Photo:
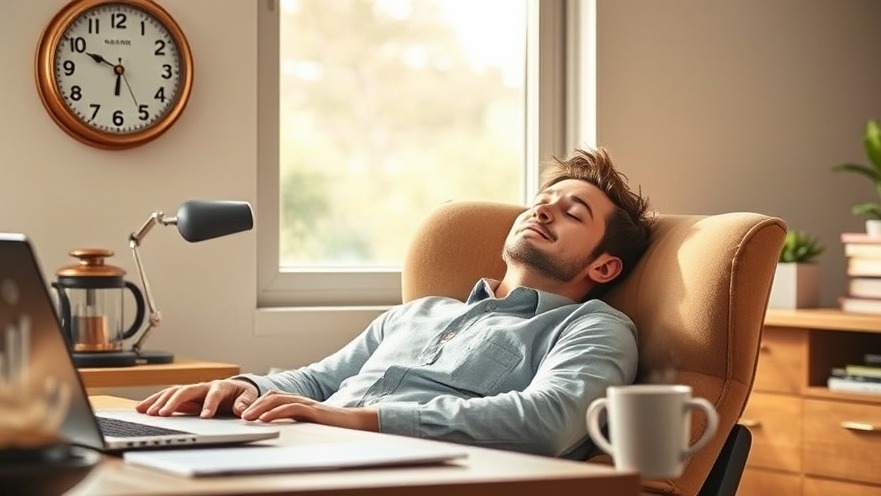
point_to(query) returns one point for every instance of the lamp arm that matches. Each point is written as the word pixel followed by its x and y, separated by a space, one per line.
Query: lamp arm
pixel 135 240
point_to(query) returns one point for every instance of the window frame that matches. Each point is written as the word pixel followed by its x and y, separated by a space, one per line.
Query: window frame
pixel 561 76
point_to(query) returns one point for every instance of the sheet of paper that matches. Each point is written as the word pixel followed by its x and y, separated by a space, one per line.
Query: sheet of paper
pixel 307 457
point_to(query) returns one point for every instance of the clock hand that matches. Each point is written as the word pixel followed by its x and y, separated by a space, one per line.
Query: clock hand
pixel 99 59
pixel 116 88
pixel 132 93
pixel 121 71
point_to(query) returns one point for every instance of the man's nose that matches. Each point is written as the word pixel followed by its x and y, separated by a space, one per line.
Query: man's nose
pixel 543 212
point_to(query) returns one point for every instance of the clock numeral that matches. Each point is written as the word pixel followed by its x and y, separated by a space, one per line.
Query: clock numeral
pixel 78 44
pixel 76 93
pixel 69 67
pixel 143 28
pixel 117 20
pixel 160 47
pixel 97 108
pixel 166 71
pixel 118 120
pixel 143 112
pixel 94 25
pixel 160 94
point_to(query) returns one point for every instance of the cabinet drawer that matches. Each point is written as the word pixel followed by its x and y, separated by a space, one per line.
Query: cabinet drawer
pixel 835 445
pixel 782 366
pixel 758 482
pixel 820 487
pixel 775 422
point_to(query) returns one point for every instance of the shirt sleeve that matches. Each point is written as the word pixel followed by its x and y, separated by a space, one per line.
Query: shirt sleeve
pixel 547 417
pixel 323 378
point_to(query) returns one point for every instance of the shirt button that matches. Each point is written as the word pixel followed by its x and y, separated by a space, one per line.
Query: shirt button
pixel 489 308
pixel 447 335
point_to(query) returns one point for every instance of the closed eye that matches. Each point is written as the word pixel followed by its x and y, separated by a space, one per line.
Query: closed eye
pixel 570 214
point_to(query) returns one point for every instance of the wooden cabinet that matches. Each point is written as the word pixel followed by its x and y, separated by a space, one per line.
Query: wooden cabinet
pixel 775 422
pixel 783 362
pixel 843 440
pixel 825 487
pixel 770 483
pixel 808 440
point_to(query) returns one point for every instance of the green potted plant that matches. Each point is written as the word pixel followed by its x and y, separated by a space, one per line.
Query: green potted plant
pixel 799 247
pixel 872 145
pixel 797 277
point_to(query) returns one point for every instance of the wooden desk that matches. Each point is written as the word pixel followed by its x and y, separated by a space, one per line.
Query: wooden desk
pixel 181 371
pixel 485 472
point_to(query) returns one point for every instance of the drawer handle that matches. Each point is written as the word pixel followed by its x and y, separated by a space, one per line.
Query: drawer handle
pixel 860 426
pixel 749 423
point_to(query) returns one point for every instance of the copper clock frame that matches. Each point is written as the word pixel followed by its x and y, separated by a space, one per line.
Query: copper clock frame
pixel 54 103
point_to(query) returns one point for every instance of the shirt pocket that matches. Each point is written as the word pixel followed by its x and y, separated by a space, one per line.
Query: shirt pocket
pixel 483 366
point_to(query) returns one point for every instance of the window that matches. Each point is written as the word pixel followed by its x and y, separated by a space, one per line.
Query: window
pixel 373 112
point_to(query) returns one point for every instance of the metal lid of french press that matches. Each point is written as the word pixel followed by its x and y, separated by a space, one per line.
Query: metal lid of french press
pixel 90 264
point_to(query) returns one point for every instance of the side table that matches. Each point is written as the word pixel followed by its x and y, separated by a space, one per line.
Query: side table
pixel 181 371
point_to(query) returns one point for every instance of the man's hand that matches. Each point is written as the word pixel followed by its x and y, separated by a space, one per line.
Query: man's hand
pixel 275 405
pixel 205 399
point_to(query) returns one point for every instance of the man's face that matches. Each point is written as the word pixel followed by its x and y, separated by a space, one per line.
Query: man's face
pixel 557 235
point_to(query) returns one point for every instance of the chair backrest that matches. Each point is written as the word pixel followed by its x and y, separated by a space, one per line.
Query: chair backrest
pixel 698 297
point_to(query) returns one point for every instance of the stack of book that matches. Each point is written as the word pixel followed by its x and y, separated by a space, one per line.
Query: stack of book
pixel 858 378
pixel 863 254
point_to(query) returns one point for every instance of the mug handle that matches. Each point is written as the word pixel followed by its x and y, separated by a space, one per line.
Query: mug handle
pixel 712 424
pixel 593 425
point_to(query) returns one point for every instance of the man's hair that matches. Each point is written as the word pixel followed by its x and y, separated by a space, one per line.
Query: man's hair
pixel 628 226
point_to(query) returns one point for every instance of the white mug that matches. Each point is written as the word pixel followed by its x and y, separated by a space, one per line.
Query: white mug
pixel 649 427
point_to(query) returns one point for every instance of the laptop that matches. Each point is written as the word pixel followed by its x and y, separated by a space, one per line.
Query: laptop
pixel 35 358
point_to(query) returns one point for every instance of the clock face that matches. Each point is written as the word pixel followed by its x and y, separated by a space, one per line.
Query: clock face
pixel 114 73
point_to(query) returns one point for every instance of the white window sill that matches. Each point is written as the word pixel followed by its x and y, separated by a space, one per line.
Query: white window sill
pixel 331 321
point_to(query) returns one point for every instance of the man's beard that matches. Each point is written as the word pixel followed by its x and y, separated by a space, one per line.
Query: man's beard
pixel 527 254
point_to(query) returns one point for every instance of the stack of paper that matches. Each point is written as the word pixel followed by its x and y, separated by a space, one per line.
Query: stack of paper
pixel 307 457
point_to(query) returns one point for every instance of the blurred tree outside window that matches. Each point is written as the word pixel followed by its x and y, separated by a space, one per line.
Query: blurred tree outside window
pixel 388 108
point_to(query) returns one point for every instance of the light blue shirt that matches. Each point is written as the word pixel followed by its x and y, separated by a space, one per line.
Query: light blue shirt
pixel 515 373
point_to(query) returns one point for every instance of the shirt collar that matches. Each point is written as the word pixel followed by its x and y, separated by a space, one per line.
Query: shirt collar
pixel 543 300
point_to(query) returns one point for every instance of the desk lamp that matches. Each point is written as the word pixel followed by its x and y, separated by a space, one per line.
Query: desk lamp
pixel 196 220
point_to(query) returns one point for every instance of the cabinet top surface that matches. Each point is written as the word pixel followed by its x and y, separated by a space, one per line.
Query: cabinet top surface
pixel 832 319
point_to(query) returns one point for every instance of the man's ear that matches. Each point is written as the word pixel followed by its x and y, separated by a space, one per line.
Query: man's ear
pixel 604 268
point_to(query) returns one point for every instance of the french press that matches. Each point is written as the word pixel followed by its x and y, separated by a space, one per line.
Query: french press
pixel 91 300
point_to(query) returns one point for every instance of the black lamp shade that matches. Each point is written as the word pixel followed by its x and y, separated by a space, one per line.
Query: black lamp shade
pixel 198 220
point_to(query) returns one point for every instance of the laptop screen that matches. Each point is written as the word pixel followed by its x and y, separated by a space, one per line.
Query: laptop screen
pixel 46 397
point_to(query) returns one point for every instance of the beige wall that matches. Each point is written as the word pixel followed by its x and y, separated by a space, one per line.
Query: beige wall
pixel 717 105
pixel 64 194
pixel 710 105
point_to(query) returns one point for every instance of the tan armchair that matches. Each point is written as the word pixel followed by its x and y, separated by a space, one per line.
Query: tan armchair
pixel 698 298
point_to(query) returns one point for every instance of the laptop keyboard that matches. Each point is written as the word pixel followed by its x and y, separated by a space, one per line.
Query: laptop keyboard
pixel 122 428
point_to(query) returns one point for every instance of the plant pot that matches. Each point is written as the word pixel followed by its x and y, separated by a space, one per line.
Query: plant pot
pixel 873 227
pixel 795 285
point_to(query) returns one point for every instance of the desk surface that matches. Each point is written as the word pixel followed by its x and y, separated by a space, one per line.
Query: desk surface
pixel 181 371
pixel 484 473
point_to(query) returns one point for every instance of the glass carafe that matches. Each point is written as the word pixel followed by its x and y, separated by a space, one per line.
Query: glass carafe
pixel 91 301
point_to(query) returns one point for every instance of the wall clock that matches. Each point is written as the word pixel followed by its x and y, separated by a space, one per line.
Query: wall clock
pixel 114 73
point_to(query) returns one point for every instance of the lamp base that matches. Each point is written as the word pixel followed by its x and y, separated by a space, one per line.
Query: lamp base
pixel 105 359
pixel 121 358
pixel 155 356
